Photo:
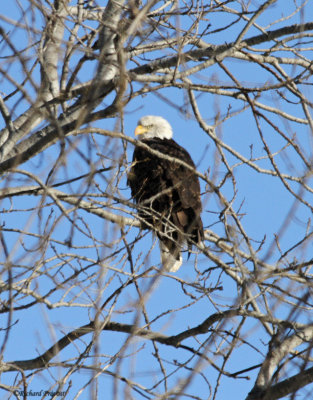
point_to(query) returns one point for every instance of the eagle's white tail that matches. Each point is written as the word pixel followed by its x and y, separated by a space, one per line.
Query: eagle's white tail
pixel 169 261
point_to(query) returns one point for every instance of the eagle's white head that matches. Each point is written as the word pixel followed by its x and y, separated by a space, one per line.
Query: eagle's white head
pixel 152 126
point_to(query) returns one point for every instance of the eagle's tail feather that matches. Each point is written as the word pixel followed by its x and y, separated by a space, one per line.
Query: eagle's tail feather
pixel 171 259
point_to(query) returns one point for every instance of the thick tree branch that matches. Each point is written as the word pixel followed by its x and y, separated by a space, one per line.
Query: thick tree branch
pixel 211 52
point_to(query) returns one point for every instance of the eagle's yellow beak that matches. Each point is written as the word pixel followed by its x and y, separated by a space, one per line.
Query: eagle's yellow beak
pixel 140 130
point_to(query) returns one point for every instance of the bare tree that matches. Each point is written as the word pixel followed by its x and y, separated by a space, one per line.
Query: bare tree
pixel 85 301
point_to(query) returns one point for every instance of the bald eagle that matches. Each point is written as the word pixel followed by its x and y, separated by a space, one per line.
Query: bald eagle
pixel 167 192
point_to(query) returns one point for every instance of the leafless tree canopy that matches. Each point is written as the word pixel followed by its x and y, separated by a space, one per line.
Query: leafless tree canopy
pixel 87 311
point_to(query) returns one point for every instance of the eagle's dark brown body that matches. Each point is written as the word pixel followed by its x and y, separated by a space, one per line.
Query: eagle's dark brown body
pixel 167 193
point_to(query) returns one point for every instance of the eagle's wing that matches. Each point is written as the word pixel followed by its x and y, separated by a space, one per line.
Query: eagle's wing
pixel 185 185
